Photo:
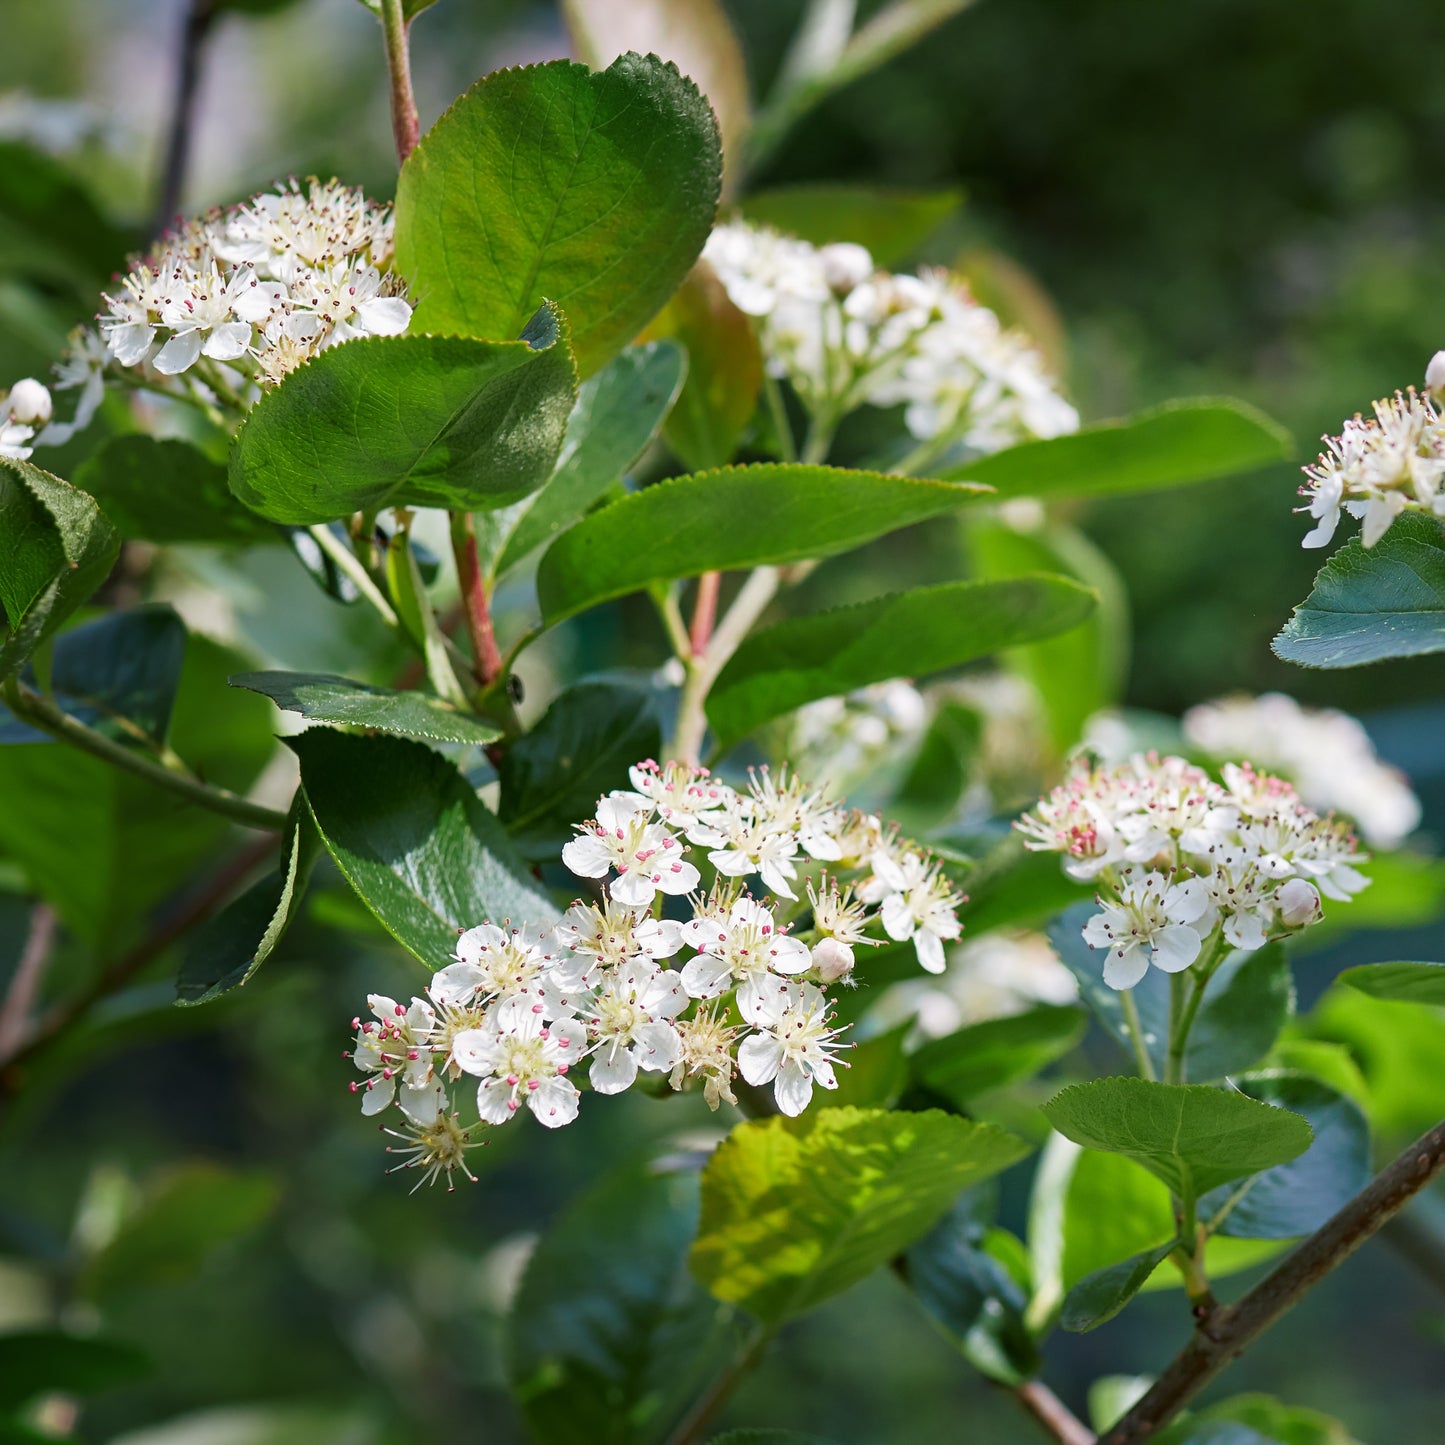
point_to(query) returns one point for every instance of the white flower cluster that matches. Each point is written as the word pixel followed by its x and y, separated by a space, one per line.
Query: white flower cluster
pixel 520 1008
pixel 240 298
pixel 1377 468
pixel 838 739
pixel 1183 862
pixel 1325 753
pixel 845 334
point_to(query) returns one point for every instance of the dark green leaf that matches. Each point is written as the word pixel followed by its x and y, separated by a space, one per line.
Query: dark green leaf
pixel 875 1075
pixel 892 224
pixel 617 414
pixel 796 1210
pixel 195 1210
pixel 608 1347
pixel 548 181
pixel 1265 1419
pixel 418 421
pixel 941 768
pixel 1181 441
pixel 224 953
pixel 1098 1297
pixel 1190 1136
pixel 1366 606
pixel 328 698
pixel 414 841
pixel 35 1362
pixel 1012 887
pixel 996 1052
pixel 1294 1199
pixel 732 518
pixel 907 634
pixel 876 969
pixel 582 748
pixel 971 1297
pixel 1402 982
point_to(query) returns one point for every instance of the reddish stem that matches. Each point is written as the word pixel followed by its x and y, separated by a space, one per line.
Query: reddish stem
pixel 405 127
pixel 486 659
pixel 704 611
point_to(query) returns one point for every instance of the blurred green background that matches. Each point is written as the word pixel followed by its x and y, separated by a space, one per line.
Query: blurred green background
pixel 1210 196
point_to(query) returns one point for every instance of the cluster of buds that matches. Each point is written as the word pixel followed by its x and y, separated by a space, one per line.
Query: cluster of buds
pixel 729 983
pixel 845 334
pixel 1185 864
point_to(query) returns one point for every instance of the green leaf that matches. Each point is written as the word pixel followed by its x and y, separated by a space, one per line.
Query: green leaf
pixel 328 698
pixel 167 491
pixel 1249 1000
pixel 409 8
pixel 942 765
pixel 1402 982
pixel 228 950
pixel 35 1362
pixel 1011 887
pixel 971 1297
pixel 1274 1421
pixel 416 421
pixel 414 841
pixel 617 414
pixel 724 370
pixel 995 1052
pixel 1190 1136
pixel 608 1347
pixel 1166 446
pixel 1294 1199
pixel 548 181
pixel 1098 1297
pixel 892 224
pixel 767 1437
pixel 732 518
pixel 580 749
pixel 56 548
pixel 1369 605
pixel 875 1076
pixel 196 1209
pixel 118 674
pixel 906 634
pixel 796 1210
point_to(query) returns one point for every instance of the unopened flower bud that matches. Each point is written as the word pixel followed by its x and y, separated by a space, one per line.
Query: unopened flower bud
pixel 1435 373
pixel 1299 903
pixel 832 959
pixel 29 403
pixel 845 265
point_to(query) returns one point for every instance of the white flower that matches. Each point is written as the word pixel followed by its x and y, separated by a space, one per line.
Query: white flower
pixel 646 856
pixel 832 960
pixel 433 1139
pixel 28 403
pixel 794 1045
pixel 1435 372
pixel 707 1044
pixel 395 1047
pixel 629 1020
pixel 520 1057
pixel 1299 903
pixel 81 368
pixel 915 902
pixel 682 795
pixel 614 935
pixel 295 230
pixel 347 301
pixel 13 439
pixel 492 963
pixel 1149 923
pixel 742 950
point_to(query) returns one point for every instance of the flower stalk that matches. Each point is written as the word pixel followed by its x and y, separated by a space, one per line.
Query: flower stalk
pixel 405 126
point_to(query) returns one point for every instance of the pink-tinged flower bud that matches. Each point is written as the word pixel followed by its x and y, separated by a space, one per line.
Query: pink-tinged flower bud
pixel 1299 903
pixel 1435 372
pixel 845 265
pixel 832 959
pixel 29 403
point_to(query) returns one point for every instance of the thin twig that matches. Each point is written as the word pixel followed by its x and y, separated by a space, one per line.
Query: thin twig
pixel 200 17
pixel 486 659
pixel 694 1424
pixel 1224 1333
pixel 405 127
pixel 25 982
pixel 704 611
pixel 1052 1413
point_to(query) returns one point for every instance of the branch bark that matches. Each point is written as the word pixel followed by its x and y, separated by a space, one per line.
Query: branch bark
pixel 1051 1412
pixel 200 17
pixel 1224 1333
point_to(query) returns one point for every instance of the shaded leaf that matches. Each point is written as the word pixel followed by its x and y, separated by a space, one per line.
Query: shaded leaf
pixel 1098 1297
pixel 34 1362
pixel 891 224
pixel 995 1052
pixel 1402 982
pixel 876 1073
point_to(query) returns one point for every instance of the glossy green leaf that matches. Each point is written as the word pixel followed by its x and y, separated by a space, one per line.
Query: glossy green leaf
pixel 1248 1002
pixel 733 518
pixel 328 698
pixel 195 1210
pixel 1295 1198
pixel 995 1052
pixel 414 841
pixel 1166 446
pixel 891 224
pixel 796 1210
pixel 971 1297
pixel 1098 1297
pixel 550 182
pixel 167 491
pixel 417 421
pixel 226 951
pixel 608 1347
pixel 617 414
pixel 36 1362
pixel 906 634
pixel 1402 982
pixel 1369 605
pixel 1190 1136
pixel 580 749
